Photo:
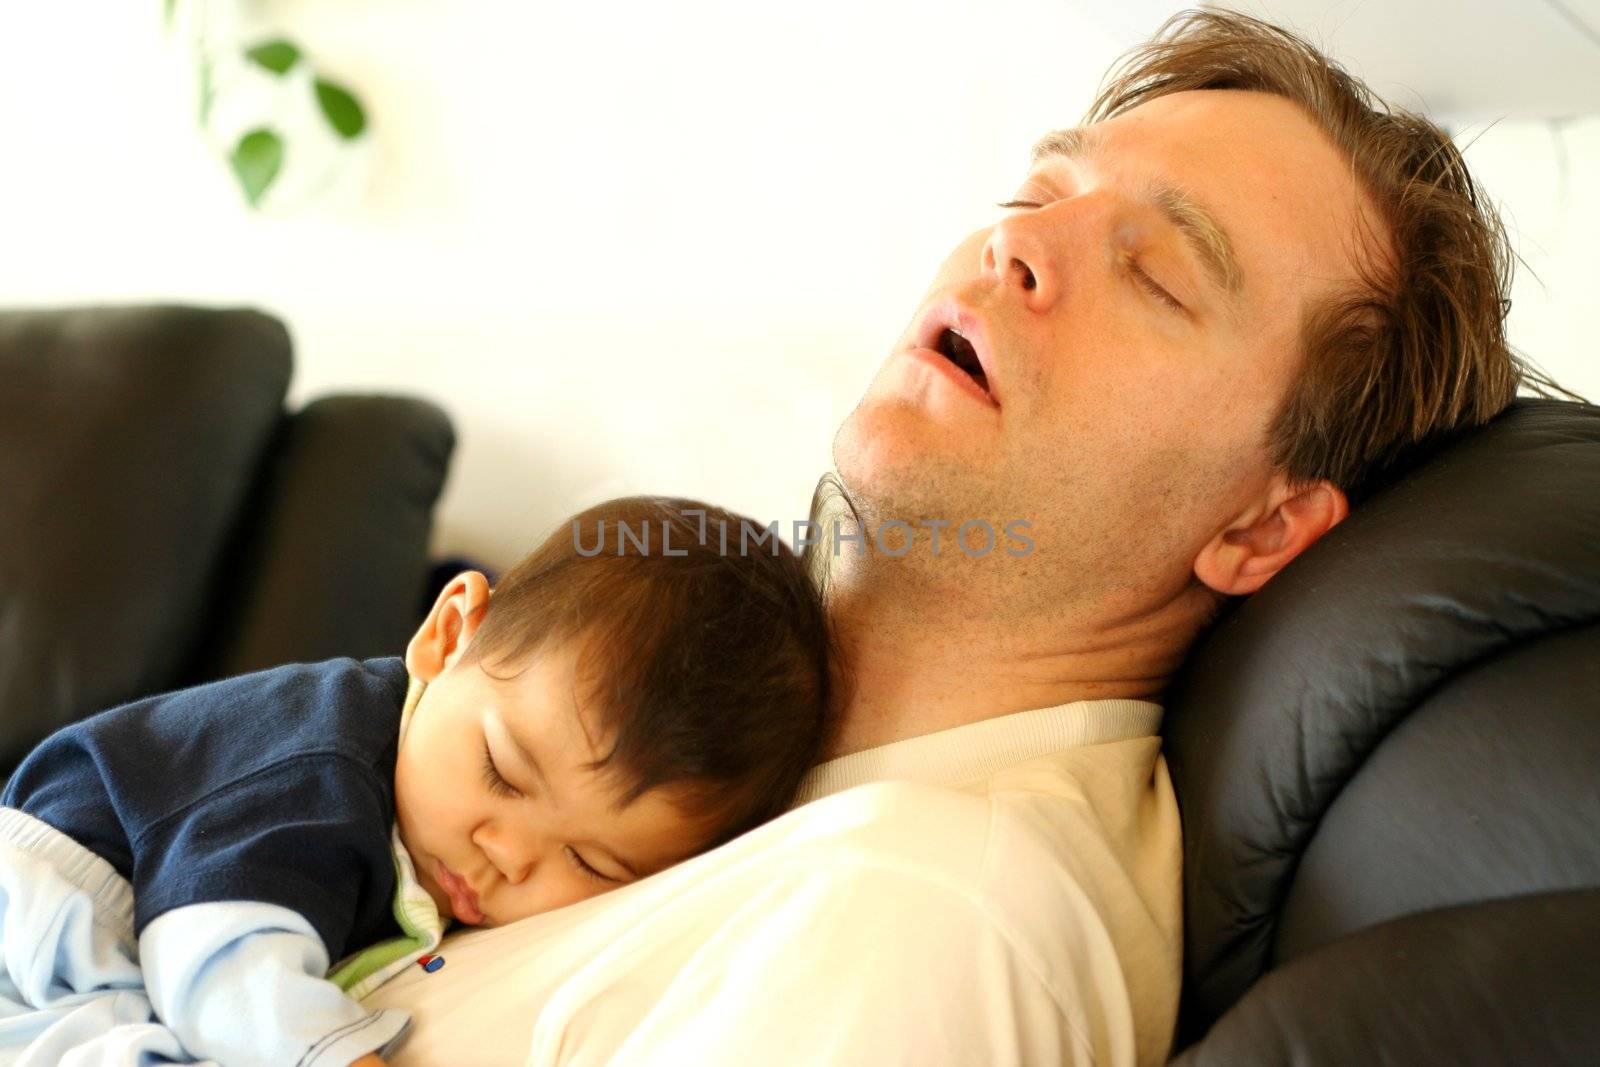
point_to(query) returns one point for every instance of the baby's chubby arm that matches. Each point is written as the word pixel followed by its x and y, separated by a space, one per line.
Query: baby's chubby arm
pixel 243 983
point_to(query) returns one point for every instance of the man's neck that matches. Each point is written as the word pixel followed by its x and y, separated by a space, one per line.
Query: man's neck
pixel 918 666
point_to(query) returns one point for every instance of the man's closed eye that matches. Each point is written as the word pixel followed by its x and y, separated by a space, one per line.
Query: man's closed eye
pixel 1135 271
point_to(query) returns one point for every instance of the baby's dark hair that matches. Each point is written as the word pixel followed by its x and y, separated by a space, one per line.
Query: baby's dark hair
pixel 704 651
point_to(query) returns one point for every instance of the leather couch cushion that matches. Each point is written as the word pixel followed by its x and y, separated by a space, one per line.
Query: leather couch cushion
pixel 1484 549
pixel 1490 788
pixel 333 561
pixel 1511 981
pixel 127 439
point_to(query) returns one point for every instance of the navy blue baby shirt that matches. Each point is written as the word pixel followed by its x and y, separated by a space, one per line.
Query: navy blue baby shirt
pixel 275 787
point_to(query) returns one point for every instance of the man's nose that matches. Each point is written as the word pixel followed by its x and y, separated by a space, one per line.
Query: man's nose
pixel 1017 255
pixel 1003 248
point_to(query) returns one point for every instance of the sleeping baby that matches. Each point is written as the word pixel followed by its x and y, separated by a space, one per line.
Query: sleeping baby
pixel 644 686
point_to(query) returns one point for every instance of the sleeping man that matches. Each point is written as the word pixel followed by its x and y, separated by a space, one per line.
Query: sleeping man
pixel 1202 322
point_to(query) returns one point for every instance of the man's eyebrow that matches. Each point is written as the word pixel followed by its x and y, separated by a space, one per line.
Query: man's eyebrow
pixel 1205 236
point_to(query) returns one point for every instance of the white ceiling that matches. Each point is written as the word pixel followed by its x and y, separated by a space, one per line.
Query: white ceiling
pixel 1457 60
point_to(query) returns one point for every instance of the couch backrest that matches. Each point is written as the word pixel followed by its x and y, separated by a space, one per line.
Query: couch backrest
pixel 129 438
pixel 331 556
pixel 164 521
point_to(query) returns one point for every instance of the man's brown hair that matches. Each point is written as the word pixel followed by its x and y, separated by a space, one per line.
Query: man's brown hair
pixel 703 657
pixel 1417 350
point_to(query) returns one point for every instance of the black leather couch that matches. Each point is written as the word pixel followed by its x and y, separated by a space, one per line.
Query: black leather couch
pixel 1388 760
pixel 165 521
pixel 1388 766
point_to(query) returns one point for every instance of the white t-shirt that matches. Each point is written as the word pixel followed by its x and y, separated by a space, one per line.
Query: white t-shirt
pixel 1005 892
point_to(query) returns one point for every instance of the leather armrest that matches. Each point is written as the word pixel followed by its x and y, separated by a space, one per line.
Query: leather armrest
pixel 1506 981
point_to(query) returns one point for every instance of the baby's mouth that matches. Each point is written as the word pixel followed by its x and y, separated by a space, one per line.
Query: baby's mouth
pixel 463 899
pixel 441 899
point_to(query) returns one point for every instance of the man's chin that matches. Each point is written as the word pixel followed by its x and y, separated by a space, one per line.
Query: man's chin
pixel 892 474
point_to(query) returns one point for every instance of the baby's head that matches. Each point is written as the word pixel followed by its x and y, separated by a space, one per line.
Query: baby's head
pixel 620 703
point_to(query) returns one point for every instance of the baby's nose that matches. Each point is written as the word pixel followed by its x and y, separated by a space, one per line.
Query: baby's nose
pixel 514 853
pixel 521 856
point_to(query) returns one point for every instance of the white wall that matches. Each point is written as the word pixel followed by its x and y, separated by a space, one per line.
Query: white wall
pixel 631 248
pixel 1545 179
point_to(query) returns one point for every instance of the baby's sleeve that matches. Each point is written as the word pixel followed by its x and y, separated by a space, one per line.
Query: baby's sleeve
pixel 311 834
pixel 243 983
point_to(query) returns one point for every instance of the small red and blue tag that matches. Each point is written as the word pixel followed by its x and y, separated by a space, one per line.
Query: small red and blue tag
pixel 430 963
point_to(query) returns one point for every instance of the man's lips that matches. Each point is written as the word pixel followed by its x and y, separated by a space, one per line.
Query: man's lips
pixel 463 901
pixel 951 314
pixel 958 377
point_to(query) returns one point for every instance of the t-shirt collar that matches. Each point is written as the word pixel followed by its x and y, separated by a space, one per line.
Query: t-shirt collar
pixel 978 749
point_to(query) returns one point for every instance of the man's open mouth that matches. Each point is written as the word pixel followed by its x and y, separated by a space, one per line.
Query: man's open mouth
pixel 958 350
pixel 957 333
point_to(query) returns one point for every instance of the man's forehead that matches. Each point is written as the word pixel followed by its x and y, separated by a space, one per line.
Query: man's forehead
pixel 1075 142
pixel 1234 138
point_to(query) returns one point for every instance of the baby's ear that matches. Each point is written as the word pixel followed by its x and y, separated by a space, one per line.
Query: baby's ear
pixel 449 627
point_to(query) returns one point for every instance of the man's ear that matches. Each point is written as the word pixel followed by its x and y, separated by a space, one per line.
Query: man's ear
pixel 1260 543
pixel 449 627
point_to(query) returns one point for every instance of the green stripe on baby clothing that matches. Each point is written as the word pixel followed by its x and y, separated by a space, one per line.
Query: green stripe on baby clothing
pixel 365 970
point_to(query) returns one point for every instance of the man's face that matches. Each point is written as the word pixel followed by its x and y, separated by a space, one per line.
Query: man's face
pixel 499 816
pixel 1126 431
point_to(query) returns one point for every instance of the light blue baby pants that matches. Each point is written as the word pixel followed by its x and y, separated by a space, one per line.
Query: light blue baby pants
pixel 71 993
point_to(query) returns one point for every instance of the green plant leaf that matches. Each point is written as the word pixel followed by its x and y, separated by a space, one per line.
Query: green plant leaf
pixel 256 160
pixel 168 9
pixel 342 110
pixel 277 56
pixel 207 90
